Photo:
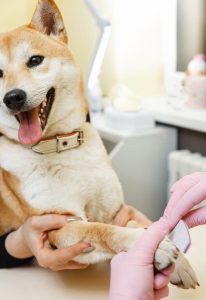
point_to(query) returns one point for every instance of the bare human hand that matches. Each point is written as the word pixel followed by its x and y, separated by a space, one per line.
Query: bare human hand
pixel 128 213
pixel 31 240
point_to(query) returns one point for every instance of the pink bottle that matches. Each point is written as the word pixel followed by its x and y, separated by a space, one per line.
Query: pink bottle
pixel 195 82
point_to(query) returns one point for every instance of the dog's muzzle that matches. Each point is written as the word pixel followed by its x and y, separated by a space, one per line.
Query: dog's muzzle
pixel 15 99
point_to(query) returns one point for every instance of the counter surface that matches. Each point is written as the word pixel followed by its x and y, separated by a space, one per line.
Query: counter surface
pixel 172 113
pixel 34 283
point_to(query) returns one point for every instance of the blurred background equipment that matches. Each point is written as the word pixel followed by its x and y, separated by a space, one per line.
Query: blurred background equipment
pixel 93 86
pixel 191 31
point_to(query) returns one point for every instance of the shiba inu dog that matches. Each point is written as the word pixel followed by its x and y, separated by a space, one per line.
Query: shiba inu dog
pixel 51 160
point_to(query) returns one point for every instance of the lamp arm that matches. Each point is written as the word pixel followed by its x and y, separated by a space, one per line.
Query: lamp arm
pixel 100 19
pixel 97 57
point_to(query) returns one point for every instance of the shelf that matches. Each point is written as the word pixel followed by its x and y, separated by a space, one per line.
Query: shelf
pixel 194 119
pixel 106 132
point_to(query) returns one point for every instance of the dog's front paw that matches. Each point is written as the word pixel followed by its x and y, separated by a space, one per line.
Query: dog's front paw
pixel 183 275
pixel 165 255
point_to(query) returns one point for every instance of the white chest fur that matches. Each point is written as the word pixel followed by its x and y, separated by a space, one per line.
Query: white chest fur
pixel 78 181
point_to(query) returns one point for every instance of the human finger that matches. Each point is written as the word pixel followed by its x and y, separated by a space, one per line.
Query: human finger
pixel 187 181
pixel 162 293
pixel 181 187
pixel 123 216
pixel 140 218
pixel 192 197
pixel 162 279
pixel 48 222
pixel 168 271
pixel 48 257
pixel 128 213
pixel 146 246
pixel 195 217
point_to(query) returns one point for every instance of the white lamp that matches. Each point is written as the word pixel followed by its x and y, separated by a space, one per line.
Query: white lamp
pixel 94 91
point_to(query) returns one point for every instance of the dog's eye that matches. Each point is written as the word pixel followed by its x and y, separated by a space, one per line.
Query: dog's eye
pixel 1 73
pixel 35 60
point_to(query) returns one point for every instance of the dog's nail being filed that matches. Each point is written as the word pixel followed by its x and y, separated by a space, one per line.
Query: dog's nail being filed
pixel 73 218
pixel 88 250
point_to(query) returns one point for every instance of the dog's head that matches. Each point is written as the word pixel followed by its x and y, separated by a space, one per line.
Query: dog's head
pixel 41 91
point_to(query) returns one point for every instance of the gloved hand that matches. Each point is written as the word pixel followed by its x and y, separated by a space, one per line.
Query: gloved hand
pixel 132 272
pixel 132 276
pixel 186 193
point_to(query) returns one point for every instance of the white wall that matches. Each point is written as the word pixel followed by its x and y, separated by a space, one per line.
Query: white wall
pixel 134 55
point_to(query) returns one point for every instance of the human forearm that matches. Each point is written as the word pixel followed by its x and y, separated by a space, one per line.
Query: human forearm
pixel 16 246
pixel 6 259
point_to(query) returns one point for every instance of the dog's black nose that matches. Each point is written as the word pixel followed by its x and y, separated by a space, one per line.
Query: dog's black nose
pixel 15 99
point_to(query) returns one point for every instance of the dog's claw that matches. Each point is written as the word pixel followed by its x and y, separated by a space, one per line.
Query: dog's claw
pixel 183 275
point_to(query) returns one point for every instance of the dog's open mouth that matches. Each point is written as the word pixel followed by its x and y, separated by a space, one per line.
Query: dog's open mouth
pixel 33 122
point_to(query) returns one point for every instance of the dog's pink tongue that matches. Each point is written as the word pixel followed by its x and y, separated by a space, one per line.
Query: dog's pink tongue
pixel 30 131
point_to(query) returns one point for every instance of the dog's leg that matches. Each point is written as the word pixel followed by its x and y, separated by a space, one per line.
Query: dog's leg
pixel 183 275
pixel 109 240
pixel 106 239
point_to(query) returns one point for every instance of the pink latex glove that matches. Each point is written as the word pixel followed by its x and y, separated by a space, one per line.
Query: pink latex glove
pixel 132 276
pixel 186 193
pixel 132 272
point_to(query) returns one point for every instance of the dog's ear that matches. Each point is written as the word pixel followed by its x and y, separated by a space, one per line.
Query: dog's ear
pixel 48 20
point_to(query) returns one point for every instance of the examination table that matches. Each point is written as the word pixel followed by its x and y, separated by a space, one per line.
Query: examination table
pixel 32 282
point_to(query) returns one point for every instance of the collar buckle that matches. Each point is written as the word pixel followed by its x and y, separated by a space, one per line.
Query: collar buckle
pixel 58 139
pixel 80 137
pixel 64 142
pixel 60 143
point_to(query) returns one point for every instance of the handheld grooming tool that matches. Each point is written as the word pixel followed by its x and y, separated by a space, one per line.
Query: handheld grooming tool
pixel 180 236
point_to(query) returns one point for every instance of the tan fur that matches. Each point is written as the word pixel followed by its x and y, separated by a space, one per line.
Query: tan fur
pixel 40 20
pixel 49 47
pixel 106 239
pixel 84 98
pixel 80 181
pixel 14 209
